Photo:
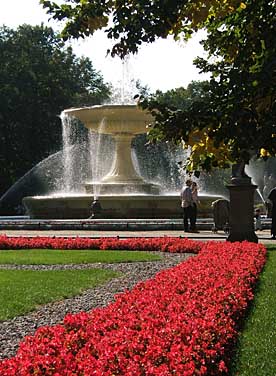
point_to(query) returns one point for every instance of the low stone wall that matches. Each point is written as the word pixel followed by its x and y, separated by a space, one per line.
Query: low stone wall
pixel 117 206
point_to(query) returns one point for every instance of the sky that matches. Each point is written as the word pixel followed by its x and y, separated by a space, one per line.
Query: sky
pixel 163 65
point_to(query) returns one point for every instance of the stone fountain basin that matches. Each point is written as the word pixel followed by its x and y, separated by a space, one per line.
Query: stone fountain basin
pixel 113 119
pixel 114 207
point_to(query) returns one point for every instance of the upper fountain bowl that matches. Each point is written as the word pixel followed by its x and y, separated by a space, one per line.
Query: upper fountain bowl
pixel 113 119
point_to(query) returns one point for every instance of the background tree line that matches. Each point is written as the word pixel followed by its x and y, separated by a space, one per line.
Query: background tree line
pixel 39 77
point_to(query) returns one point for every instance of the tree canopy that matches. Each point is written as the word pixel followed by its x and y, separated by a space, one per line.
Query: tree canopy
pixel 234 117
pixel 39 78
pixel 135 22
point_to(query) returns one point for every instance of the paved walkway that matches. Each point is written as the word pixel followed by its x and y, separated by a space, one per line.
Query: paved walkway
pixel 264 236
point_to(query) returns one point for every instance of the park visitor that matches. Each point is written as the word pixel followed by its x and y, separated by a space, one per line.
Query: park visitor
pixel 187 204
pixel 272 198
pixel 258 220
pixel 194 207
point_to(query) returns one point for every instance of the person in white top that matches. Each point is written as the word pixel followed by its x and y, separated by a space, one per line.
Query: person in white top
pixel 187 204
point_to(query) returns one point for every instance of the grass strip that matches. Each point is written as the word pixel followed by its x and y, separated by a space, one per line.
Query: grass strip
pixel 256 350
pixel 53 256
pixel 22 291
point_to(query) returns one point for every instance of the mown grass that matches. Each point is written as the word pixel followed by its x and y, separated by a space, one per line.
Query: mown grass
pixel 22 291
pixel 52 256
pixel 256 350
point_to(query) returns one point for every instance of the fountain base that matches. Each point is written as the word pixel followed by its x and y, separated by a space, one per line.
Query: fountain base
pixel 113 207
pixel 98 189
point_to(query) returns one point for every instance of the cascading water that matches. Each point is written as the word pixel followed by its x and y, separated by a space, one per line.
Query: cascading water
pixel 263 175
pixel 81 156
pixel 155 163
pixel 101 150
pixel 158 163
pixel 95 143
pixel 68 156
pixel 42 179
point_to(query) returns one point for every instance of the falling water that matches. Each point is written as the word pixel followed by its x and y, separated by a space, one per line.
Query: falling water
pixel 135 161
pixel 101 154
pixel 261 196
pixel 75 161
pixel 67 122
pixel 68 174
pixel 158 164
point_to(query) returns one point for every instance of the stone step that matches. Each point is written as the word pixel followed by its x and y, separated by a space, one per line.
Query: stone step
pixel 24 223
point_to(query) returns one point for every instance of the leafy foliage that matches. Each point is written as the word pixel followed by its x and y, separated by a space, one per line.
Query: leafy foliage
pixel 135 22
pixel 242 62
pixel 235 116
pixel 181 116
pixel 39 78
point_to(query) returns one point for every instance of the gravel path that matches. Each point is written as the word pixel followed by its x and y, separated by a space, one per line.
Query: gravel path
pixel 12 331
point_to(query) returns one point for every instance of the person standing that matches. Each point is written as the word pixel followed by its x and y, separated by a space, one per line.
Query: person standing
pixel 272 198
pixel 258 220
pixel 194 189
pixel 187 204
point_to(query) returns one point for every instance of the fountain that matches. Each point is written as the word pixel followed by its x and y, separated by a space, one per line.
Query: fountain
pixel 123 192
pixel 123 123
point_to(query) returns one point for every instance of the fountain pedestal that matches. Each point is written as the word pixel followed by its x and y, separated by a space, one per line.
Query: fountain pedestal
pixel 123 123
pixel 122 178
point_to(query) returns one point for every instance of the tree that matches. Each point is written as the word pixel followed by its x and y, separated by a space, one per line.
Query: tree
pixel 235 116
pixel 135 22
pixel 177 101
pixel 39 78
pixel 168 109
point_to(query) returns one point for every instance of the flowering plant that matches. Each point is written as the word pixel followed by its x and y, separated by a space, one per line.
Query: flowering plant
pixel 181 322
pixel 165 244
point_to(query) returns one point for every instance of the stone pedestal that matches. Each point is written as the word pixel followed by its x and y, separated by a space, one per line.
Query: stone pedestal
pixel 123 123
pixel 241 221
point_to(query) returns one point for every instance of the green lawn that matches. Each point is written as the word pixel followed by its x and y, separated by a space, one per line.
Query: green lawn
pixel 256 353
pixel 50 256
pixel 21 291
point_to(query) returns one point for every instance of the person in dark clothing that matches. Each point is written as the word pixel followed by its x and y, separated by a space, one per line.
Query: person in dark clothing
pixel 187 204
pixel 272 198
pixel 96 209
pixel 258 219
pixel 195 203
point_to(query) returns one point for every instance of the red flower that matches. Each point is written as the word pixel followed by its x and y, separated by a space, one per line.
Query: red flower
pixel 179 323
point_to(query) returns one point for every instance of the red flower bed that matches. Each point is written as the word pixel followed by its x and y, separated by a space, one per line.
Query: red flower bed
pixel 165 244
pixel 179 323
